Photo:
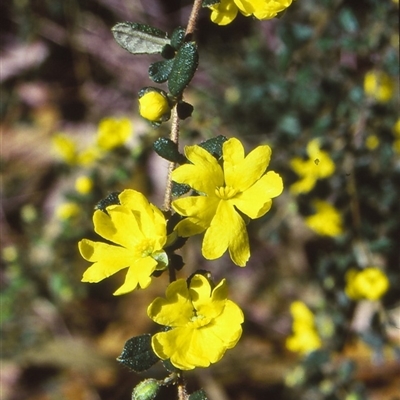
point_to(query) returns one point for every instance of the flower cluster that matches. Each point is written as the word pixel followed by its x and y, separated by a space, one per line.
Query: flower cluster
pixel 326 221
pixel 240 185
pixel 318 166
pixel 304 338
pixel 138 229
pixel 370 283
pixel 224 12
pixel 203 323
pixel 379 86
pixel 111 133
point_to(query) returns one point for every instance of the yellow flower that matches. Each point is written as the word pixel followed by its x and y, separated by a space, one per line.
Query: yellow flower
pixel 203 322
pixel 113 132
pixel 138 229
pixel 372 142
pixel 327 221
pixel 154 107
pixel 83 184
pixel 225 12
pixel 370 283
pixel 318 166
pixel 304 338
pixel 67 211
pixel 66 148
pixel 396 133
pixel 240 184
pixel 379 86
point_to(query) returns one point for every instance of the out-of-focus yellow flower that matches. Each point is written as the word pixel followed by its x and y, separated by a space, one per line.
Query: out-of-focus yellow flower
pixel 379 86
pixel 226 11
pixel 112 132
pixel 372 142
pixel 67 211
pixel 138 229
pixel 203 322
pixel 371 283
pixel 154 106
pixel 239 183
pixel 89 156
pixel 304 338
pixel 66 148
pixel 396 133
pixel 9 253
pixel 84 184
pixel 318 166
pixel 327 221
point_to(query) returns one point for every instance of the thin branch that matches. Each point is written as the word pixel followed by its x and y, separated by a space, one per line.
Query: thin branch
pixel 193 18
pixel 174 136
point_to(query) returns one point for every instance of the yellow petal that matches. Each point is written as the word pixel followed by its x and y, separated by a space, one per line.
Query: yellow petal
pixel 150 220
pixel 176 309
pixel 118 226
pixel 201 209
pixel 138 274
pixel 224 12
pixel 203 175
pixel 256 201
pixel 241 172
pixel 227 231
pixel 108 259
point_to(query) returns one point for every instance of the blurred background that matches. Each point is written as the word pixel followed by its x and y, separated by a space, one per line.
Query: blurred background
pixel 326 69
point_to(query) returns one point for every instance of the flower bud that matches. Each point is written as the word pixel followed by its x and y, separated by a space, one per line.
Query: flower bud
pixel 146 390
pixel 154 105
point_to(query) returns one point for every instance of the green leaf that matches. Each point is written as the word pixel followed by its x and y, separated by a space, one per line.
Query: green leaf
pixel 179 189
pixel 160 70
pixel 137 353
pixel 178 37
pixel 110 200
pixel 140 38
pixel 185 65
pixel 198 395
pixel 168 149
pixel 214 146
pixel 207 3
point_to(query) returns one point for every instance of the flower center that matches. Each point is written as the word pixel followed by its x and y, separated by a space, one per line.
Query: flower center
pixel 145 247
pixel 226 192
pixel 198 320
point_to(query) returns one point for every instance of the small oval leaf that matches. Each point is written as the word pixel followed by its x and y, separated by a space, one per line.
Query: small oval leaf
pixel 137 353
pixel 160 70
pixel 214 146
pixel 168 149
pixel 178 37
pixel 185 65
pixel 139 38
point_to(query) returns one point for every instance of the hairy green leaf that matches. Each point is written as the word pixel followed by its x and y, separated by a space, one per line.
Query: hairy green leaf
pixel 140 38
pixel 168 149
pixel 198 395
pixel 207 3
pixel 111 199
pixel 214 146
pixel 179 189
pixel 178 37
pixel 137 353
pixel 160 70
pixel 185 65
